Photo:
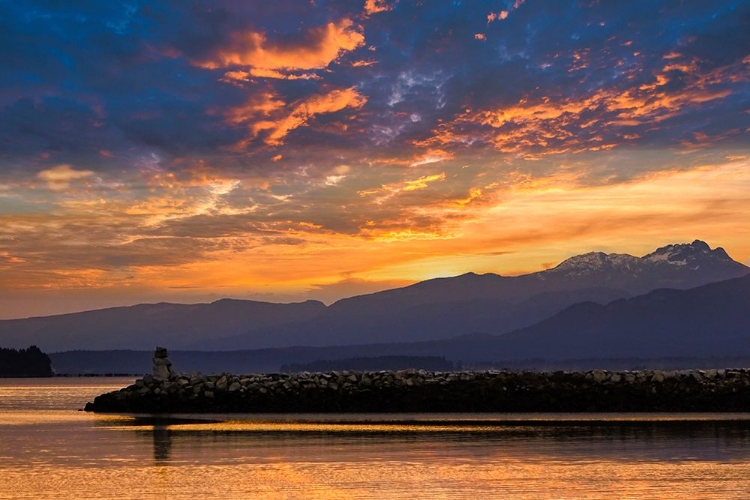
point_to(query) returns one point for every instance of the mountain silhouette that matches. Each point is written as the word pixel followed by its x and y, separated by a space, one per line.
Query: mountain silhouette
pixel 427 311
pixel 490 303
pixel 145 325
pixel 708 321
pixel 703 327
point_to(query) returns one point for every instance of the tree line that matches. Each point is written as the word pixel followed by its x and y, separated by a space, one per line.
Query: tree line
pixel 31 362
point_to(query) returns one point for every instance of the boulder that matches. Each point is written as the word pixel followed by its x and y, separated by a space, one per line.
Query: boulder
pixel 599 376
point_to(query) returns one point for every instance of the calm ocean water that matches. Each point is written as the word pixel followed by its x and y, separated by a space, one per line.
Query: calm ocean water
pixel 50 450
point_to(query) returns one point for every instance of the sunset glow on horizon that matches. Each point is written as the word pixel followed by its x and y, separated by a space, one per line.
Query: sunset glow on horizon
pixel 189 151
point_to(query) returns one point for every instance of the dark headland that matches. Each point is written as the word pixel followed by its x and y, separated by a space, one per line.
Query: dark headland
pixel 427 391
pixel 31 362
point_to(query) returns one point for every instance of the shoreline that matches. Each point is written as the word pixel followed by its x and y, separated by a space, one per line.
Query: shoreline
pixel 420 391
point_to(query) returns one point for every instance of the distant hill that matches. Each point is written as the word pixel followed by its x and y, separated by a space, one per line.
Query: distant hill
pixel 143 326
pixel 423 322
pixel 377 363
pixel 711 320
pixel 427 311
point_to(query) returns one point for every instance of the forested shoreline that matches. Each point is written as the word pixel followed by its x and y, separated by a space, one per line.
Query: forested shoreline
pixel 31 362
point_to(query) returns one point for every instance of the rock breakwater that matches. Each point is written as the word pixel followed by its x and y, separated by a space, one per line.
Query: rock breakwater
pixel 429 391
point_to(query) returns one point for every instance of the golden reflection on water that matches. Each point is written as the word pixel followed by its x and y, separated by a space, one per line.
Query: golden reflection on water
pixel 56 452
pixel 55 393
pixel 303 427
pixel 586 458
pixel 404 479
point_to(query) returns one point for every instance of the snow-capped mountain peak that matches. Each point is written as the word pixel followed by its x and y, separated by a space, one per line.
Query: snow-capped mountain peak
pixel 692 256
pixel 686 253
pixel 596 261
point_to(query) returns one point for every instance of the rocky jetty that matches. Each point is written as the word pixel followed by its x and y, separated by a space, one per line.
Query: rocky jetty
pixel 429 391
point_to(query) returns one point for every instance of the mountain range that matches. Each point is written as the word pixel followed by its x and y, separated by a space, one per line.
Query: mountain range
pixel 711 320
pixel 490 303
pixel 530 311
pixel 703 327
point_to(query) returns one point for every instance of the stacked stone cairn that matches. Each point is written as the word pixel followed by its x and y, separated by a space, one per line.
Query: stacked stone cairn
pixel 162 365
pixel 426 391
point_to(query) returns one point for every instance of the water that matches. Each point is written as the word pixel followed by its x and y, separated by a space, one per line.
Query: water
pixel 50 450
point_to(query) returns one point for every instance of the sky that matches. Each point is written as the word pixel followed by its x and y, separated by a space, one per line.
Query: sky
pixel 191 150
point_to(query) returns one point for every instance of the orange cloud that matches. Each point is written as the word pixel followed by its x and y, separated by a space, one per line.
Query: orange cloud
pixel 503 14
pixel 494 16
pixel 186 231
pixel 423 181
pixel 268 59
pixel 474 194
pixel 431 156
pixel 61 176
pixel 387 191
pixel 10 259
pixel 375 6
pixel 533 129
pixel 302 112
pixel 246 76
pixel 262 104
pixel 703 141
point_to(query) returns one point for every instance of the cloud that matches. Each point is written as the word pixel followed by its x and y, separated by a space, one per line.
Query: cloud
pixel 404 186
pixel 363 63
pixel 423 181
pixel 9 259
pixel 266 58
pixel 503 14
pixel 375 6
pixel 260 104
pixel 601 120
pixel 60 177
pixel 252 73
pixel 283 119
